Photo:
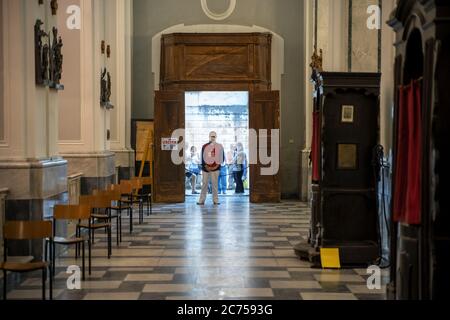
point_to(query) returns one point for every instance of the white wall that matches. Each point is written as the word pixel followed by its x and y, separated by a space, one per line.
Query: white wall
pixel 2 115
pixel 70 99
pixel 119 33
pixel 30 112
pixel 84 124
pixel 364 54
pixel 332 33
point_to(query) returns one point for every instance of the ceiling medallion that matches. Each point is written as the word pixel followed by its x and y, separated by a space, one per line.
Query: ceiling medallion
pixel 218 16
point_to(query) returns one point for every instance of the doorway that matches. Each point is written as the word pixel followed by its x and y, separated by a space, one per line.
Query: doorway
pixel 227 114
pixel 197 62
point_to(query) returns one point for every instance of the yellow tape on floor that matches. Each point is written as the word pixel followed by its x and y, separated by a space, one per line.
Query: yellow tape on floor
pixel 330 258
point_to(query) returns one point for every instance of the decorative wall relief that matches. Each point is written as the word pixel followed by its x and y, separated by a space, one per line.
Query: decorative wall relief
pixel 41 54
pixel 317 60
pixel 48 57
pixel 105 80
pixel 218 16
pixel 105 87
pixel 54 6
pixel 56 61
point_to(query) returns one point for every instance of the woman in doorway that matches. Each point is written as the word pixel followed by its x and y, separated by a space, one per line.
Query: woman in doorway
pixel 239 161
pixel 223 179
pixel 193 168
pixel 230 156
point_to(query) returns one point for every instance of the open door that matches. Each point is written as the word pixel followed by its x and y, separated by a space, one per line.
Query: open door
pixel 264 114
pixel 169 178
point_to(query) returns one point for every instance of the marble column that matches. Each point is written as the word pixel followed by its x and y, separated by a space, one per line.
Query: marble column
pixel 85 129
pixel 333 34
pixel 305 168
pixel 29 164
pixel 119 34
pixel 332 38
pixel 96 141
pixel 338 36
pixel 364 41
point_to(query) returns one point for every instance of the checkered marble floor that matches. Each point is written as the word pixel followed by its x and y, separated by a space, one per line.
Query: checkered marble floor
pixel 235 251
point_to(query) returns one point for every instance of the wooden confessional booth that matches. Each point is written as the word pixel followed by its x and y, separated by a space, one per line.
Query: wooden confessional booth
pixel 213 62
pixel 420 246
pixel 344 201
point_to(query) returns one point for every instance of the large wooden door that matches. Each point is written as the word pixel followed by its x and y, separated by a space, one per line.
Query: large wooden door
pixel 264 114
pixel 169 116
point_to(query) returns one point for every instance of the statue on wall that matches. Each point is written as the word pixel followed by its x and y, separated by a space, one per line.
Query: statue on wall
pixel 56 59
pixel 317 60
pixel 108 91
pixel 54 6
pixel 105 94
pixel 45 64
pixel 48 57
pixel 41 54
pixel 317 68
pixel 103 98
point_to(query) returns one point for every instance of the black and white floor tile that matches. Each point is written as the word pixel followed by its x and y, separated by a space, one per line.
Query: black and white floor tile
pixel 236 250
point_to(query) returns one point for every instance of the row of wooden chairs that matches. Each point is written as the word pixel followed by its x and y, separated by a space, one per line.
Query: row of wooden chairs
pixel 93 212
pixel 105 205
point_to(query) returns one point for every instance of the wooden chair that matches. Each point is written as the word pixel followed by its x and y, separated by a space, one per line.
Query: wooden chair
pixel 136 184
pixel 119 207
pixel 146 197
pixel 71 212
pixel 27 230
pixel 126 190
pixel 96 203
pixel 114 196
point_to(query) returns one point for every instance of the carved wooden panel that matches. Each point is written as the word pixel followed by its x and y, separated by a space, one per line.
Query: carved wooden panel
pixel 264 114
pixel 239 61
pixel 220 62
pixel 169 116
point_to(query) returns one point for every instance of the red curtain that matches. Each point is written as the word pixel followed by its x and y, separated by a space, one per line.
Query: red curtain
pixel 414 194
pixel 400 161
pixel 407 193
pixel 315 148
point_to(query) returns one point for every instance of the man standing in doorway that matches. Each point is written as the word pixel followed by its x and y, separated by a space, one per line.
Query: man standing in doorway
pixel 213 156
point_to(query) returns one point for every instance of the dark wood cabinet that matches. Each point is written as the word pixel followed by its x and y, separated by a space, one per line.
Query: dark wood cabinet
pixel 344 201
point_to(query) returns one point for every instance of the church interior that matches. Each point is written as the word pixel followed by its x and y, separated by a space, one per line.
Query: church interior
pixel 333 116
